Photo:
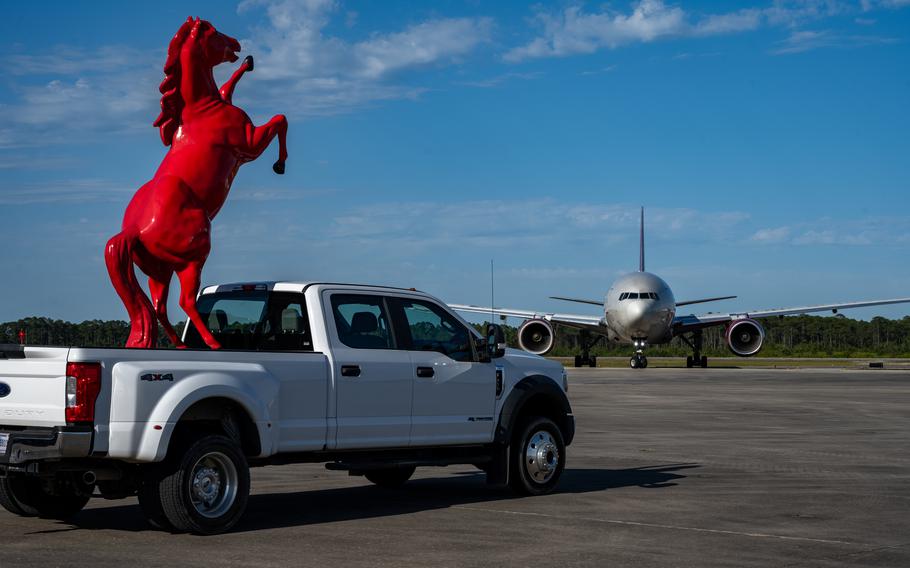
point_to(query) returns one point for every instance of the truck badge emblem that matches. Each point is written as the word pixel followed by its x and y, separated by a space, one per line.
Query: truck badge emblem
pixel 154 377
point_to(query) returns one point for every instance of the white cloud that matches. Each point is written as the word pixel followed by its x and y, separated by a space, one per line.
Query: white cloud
pixel 69 89
pixel 323 74
pixel 808 40
pixel 831 237
pixel 576 31
pixel 72 60
pixel 771 236
pixel 64 191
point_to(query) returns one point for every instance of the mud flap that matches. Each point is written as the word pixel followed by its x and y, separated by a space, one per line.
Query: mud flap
pixel 498 469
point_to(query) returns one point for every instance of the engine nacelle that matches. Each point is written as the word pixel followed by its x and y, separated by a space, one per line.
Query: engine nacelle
pixel 745 337
pixel 536 336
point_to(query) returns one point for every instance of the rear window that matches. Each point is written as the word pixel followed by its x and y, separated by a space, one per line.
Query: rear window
pixel 254 321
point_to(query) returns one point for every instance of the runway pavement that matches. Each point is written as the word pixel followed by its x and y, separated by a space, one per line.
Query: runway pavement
pixel 670 467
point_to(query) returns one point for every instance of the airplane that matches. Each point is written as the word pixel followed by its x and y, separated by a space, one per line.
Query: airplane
pixel 640 309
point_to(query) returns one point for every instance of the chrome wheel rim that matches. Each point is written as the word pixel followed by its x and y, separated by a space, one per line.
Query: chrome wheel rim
pixel 541 456
pixel 213 485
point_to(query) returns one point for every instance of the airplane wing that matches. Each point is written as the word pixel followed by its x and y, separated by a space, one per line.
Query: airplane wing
pixel 703 300
pixel 682 324
pixel 593 323
pixel 579 300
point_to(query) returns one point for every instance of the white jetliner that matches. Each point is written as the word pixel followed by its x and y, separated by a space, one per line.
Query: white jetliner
pixel 640 309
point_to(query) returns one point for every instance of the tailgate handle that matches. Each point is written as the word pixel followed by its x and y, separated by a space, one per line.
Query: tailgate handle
pixel 350 370
pixel 425 372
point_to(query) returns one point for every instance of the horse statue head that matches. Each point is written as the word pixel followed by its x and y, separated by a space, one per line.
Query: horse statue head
pixel 198 41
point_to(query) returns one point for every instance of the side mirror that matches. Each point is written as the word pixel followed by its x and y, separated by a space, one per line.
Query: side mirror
pixel 496 341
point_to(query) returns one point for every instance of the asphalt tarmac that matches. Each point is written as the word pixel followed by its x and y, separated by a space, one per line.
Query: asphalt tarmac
pixel 670 467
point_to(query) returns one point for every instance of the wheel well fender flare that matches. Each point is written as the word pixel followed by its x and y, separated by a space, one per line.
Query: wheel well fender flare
pixel 539 394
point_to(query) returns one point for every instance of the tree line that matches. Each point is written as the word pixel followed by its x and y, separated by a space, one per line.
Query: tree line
pixel 795 336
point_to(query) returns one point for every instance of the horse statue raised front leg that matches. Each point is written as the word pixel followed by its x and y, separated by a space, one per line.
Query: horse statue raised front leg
pixel 167 226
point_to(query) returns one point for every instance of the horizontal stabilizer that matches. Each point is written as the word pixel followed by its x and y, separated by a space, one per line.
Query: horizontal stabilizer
pixel 579 301
pixel 688 302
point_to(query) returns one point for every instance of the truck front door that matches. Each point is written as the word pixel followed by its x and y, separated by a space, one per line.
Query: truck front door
pixel 454 395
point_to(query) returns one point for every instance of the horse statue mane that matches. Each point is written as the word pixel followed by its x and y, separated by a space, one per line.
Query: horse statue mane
pixel 171 101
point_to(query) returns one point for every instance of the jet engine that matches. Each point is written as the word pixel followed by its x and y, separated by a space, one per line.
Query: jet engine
pixel 745 337
pixel 536 336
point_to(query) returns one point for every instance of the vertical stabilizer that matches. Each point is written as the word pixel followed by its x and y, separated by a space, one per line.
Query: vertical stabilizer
pixel 641 242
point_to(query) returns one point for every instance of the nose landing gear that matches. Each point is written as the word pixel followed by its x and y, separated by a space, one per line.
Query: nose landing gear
pixel 638 361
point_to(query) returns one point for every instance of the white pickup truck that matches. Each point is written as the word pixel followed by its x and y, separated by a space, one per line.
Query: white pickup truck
pixel 372 380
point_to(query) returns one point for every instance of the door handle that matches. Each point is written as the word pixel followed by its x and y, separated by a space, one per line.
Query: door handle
pixel 425 372
pixel 350 370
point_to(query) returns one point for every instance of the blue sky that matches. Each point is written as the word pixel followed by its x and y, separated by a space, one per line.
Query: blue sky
pixel 768 142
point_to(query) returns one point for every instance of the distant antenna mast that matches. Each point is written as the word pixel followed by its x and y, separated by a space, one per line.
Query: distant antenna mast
pixel 641 242
pixel 492 295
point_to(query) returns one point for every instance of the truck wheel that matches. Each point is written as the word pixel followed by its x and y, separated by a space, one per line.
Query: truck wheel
pixel 150 499
pixel 205 489
pixel 28 497
pixel 390 478
pixel 538 457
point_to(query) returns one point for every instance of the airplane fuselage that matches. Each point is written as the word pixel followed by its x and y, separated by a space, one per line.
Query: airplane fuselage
pixel 640 307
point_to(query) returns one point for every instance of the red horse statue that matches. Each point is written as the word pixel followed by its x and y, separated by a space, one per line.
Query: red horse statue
pixel 167 226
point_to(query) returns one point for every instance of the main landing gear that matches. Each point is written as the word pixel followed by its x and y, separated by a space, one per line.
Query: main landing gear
pixel 696 359
pixel 638 361
pixel 586 359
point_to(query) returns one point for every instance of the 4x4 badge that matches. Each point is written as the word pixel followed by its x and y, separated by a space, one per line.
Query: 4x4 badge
pixel 157 377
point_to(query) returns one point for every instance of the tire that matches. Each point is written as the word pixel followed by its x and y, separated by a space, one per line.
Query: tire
pixel 390 478
pixel 577 361
pixel 28 497
pixel 592 361
pixel 538 457
pixel 644 362
pixel 203 490
pixel 150 499
pixel 689 362
pixel 633 362
pixel 704 362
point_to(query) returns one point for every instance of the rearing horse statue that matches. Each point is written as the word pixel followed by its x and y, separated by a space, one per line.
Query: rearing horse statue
pixel 167 226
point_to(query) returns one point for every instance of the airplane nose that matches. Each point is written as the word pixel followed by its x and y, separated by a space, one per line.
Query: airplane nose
pixel 634 318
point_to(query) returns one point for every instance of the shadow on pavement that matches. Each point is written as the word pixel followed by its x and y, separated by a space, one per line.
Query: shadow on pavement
pixel 279 510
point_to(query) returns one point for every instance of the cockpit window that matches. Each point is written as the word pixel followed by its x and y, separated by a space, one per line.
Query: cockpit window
pixel 633 295
pixel 623 296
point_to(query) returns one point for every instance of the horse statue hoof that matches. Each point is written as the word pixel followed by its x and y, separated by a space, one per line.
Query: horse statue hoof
pixel 278 167
pixel 248 61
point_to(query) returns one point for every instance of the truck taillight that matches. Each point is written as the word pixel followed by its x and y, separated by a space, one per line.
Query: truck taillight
pixel 83 383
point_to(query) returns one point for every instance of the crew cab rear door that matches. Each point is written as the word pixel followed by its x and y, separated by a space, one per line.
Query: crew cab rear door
pixel 454 394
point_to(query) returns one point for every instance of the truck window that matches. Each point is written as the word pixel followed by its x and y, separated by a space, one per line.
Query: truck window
pixel 253 321
pixel 362 321
pixel 285 326
pixel 431 328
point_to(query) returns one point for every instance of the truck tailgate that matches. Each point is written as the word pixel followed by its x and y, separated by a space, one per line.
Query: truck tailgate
pixel 35 391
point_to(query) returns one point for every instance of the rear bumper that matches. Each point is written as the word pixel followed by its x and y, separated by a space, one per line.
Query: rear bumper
pixel 45 444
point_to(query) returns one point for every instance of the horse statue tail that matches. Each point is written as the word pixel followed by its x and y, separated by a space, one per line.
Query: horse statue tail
pixel 118 255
